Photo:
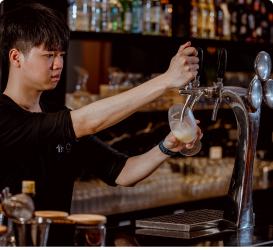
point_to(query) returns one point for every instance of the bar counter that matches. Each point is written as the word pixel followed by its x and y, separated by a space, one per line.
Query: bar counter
pixel 260 235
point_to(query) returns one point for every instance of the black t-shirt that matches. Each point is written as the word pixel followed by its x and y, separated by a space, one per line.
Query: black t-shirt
pixel 43 147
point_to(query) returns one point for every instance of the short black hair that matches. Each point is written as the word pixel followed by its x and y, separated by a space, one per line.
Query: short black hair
pixel 32 25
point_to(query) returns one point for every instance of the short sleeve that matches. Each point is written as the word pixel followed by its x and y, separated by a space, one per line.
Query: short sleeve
pixel 20 128
pixel 98 158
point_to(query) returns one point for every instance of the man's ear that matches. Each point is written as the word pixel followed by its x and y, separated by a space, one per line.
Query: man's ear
pixel 15 57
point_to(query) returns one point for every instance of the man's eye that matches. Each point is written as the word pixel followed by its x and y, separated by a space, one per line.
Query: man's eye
pixel 63 55
pixel 49 55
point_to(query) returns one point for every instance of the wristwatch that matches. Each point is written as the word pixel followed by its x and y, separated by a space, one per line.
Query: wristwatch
pixel 165 150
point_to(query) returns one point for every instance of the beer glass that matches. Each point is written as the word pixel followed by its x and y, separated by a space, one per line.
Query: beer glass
pixel 184 131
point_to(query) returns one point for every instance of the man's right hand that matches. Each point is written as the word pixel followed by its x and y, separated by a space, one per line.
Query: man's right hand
pixel 183 67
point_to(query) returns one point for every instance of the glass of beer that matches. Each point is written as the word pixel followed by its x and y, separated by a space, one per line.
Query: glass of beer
pixel 185 131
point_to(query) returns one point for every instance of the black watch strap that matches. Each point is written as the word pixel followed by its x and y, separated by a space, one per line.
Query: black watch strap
pixel 165 150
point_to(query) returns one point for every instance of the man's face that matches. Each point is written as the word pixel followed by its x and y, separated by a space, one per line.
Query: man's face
pixel 42 69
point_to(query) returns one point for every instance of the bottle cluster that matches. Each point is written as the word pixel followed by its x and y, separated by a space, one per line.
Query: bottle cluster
pixel 148 17
pixel 243 20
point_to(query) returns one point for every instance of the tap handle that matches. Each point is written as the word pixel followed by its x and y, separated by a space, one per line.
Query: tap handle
pixel 215 109
pixel 200 56
pixel 221 64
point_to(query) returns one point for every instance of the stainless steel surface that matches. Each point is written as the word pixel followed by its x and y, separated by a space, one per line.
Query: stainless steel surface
pixel 268 93
pixel 262 65
pixel 193 97
pixel 32 233
pixel 187 222
pixel 178 234
pixel 255 94
pixel 245 104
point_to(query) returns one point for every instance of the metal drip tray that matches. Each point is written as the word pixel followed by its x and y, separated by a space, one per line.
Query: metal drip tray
pixel 187 222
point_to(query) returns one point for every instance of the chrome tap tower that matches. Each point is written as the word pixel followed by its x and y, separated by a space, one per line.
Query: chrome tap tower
pixel 245 104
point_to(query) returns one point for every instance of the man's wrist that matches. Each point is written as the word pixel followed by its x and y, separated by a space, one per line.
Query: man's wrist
pixel 165 150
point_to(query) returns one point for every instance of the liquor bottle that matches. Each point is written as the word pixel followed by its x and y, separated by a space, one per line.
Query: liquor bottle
pixel 232 6
pixel 226 21
pixel 82 15
pixel 211 20
pixel 242 21
pixel 270 18
pixel 137 8
pixel 28 187
pixel 202 31
pixel 193 19
pixel 95 16
pixel 147 17
pixel 127 19
pixel 105 16
pixel 166 18
pixel 219 19
pixel 251 21
pixel 257 13
pixel 72 14
pixel 264 23
pixel 155 17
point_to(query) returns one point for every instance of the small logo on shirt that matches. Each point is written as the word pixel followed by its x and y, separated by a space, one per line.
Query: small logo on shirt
pixel 67 148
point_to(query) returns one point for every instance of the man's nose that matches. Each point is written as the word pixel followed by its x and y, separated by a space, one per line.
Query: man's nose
pixel 58 62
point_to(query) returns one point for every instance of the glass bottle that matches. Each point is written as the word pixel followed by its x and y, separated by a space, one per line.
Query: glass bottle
pixel 95 16
pixel 251 21
pixel 270 18
pixel 166 18
pixel 264 23
pixel 147 17
pixel 211 20
pixel 137 16
pixel 72 14
pixel 81 97
pixel 127 16
pixel 257 13
pixel 226 21
pixel 155 17
pixel 233 10
pixel 202 19
pixel 219 19
pixel 115 16
pixel 193 19
pixel 28 187
pixel 82 15
pixel 105 16
pixel 242 21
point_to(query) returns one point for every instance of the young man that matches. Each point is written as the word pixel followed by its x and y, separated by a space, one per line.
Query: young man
pixel 48 143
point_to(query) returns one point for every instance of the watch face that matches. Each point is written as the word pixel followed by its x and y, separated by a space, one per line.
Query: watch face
pixel 263 65
pixel 268 93
pixel 255 94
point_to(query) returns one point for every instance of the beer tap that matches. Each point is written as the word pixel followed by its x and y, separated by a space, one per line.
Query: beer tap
pixel 245 104
pixel 192 89
pixel 195 92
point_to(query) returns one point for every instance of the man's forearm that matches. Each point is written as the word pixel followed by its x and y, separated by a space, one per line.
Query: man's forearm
pixel 139 167
pixel 107 112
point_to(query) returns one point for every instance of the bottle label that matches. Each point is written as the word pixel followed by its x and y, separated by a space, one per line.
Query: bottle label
pixel 156 14
pixel 244 19
pixel 140 19
pixel 128 21
pixel 234 17
pixel 264 24
pixel 28 187
pixel 251 22
pixel 256 6
pixel 259 31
